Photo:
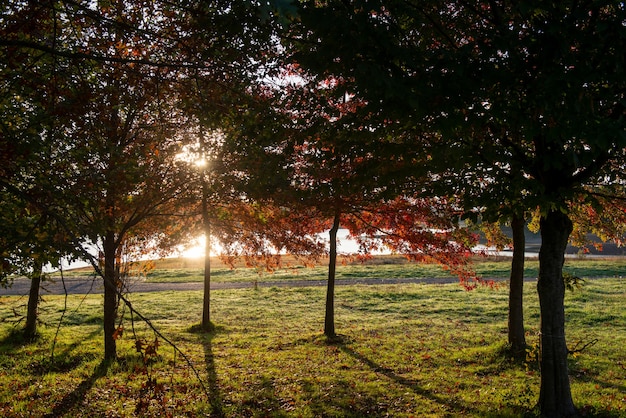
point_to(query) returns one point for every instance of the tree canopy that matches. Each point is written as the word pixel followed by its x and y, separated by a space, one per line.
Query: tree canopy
pixel 392 118
pixel 520 106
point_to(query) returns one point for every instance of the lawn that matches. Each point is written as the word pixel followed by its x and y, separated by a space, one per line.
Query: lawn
pixel 191 270
pixel 409 350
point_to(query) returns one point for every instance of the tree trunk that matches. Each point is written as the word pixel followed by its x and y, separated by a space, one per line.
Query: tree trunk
pixel 110 297
pixel 555 397
pixel 30 329
pixel 329 321
pixel 517 338
pixel 206 305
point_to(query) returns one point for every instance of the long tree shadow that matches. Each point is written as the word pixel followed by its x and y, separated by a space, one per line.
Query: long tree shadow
pixel 453 404
pixel 215 397
pixel 16 338
pixel 64 360
pixel 60 361
pixel 71 400
pixel 262 400
pixel 591 376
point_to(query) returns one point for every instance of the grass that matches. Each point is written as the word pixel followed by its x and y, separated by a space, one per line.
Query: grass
pixel 184 270
pixel 405 350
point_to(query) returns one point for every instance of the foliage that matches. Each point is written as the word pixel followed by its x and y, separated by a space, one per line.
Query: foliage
pixel 317 165
pixel 389 118
pixel 604 216
pixel 109 82
pixel 573 282
pixel 519 106
pixel 28 239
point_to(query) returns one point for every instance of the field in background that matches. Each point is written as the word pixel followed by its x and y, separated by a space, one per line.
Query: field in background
pixel 406 350
pixel 172 270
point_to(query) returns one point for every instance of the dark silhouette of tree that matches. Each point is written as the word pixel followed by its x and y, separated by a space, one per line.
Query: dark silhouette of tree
pixel 531 90
pixel 109 96
pixel 309 142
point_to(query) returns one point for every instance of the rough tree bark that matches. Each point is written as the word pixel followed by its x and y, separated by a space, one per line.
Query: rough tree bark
pixel 329 321
pixel 517 338
pixel 555 398
pixel 30 329
pixel 110 296
pixel 206 221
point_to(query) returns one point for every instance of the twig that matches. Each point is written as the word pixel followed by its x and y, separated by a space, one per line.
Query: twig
pixel 56 334
pixel 164 338
pixel 134 311
pixel 65 309
pixel 580 350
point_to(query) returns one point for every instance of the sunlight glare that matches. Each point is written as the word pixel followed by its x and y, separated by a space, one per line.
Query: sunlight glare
pixel 195 249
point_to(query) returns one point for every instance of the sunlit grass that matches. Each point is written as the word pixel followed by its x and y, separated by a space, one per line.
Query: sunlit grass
pixel 383 267
pixel 405 350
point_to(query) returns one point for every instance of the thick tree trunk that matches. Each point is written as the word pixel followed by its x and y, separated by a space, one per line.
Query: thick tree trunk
pixel 110 297
pixel 329 321
pixel 206 305
pixel 30 329
pixel 517 338
pixel 555 398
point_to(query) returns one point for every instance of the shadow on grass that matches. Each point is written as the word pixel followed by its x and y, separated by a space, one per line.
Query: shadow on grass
pixel 65 360
pixel 506 357
pixel 215 397
pixel 259 399
pixel 73 399
pixel 452 404
pixel 17 338
pixel 593 376
pixel 61 362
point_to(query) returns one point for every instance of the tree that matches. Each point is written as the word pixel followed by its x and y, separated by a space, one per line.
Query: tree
pixel 534 90
pixel 203 155
pixel 119 79
pixel 321 171
pixel 603 218
pixel 124 168
pixel 29 243
pixel 32 239
pixel 515 318
pixel 230 44
pixel 517 334
pixel 564 128
pixel 109 162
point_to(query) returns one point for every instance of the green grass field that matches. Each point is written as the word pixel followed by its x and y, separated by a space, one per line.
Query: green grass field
pixel 405 351
pixel 190 270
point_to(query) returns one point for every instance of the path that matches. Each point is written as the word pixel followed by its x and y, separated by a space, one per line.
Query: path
pixel 88 285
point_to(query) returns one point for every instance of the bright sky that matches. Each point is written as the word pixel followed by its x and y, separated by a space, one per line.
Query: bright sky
pixel 196 248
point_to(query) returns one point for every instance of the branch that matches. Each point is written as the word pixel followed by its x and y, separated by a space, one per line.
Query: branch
pixel 607 196
pixel 56 335
pixel 439 28
pixel 98 58
pixel 134 311
pixel 93 14
pixel 576 350
pixel 587 172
